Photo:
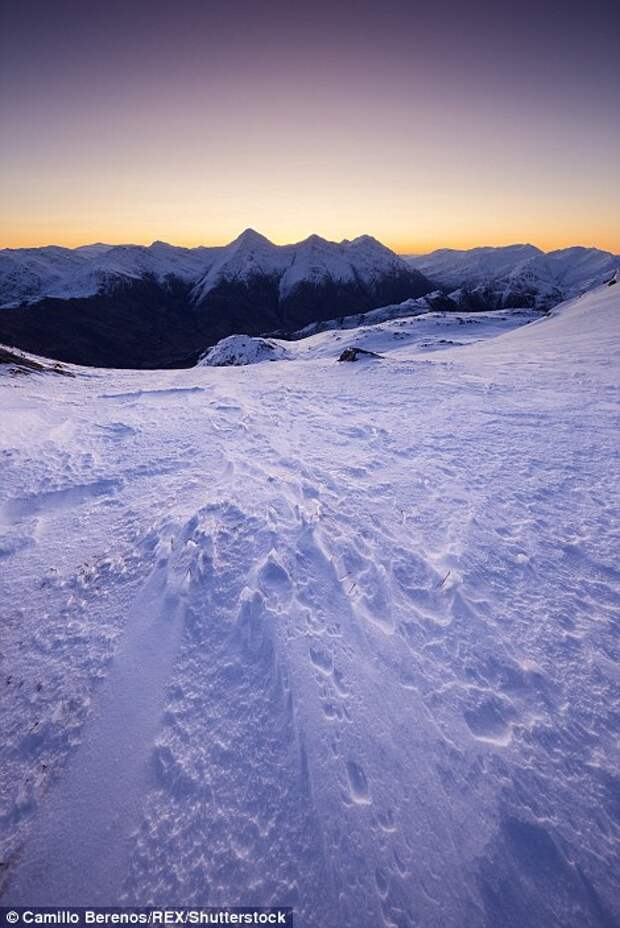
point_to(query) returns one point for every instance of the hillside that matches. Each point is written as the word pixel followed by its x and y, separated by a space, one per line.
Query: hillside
pixel 340 636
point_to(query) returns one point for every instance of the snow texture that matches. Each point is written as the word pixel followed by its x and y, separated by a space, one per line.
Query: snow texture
pixel 338 636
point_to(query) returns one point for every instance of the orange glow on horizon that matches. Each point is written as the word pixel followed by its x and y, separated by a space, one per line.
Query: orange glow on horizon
pixel 402 246
pixel 376 125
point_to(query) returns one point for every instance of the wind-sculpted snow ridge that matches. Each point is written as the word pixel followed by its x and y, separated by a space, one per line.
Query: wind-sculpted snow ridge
pixel 342 637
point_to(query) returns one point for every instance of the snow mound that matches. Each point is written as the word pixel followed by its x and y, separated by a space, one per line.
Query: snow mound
pixel 237 350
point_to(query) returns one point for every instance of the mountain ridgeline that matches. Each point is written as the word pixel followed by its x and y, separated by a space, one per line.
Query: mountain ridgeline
pixel 161 306
pixel 515 276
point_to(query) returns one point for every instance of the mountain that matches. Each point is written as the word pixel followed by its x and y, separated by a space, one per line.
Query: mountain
pixel 28 275
pixel 516 275
pixel 546 280
pixel 453 268
pixel 162 306
pixel 254 286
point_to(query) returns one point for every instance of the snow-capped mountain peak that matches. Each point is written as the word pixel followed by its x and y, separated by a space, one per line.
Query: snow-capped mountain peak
pixel 516 275
pixel 250 237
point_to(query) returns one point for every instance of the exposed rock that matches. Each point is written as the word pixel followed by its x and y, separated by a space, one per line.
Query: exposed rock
pixel 21 364
pixel 357 354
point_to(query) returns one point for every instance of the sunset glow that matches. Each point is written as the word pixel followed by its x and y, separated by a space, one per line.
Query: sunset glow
pixel 197 120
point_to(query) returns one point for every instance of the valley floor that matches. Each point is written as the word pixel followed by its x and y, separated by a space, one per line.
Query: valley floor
pixel 336 636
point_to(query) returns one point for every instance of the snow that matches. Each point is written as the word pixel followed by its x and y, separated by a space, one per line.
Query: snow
pixel 248 256
pixel 518 274
pixel 402 330
pixel 473 266
pixel 411 307
pixel 30 274
pixel 337 636
pixel 243 349
pixel 312 261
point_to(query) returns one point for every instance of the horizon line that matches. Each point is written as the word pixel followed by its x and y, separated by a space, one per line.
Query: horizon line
pixel 400 249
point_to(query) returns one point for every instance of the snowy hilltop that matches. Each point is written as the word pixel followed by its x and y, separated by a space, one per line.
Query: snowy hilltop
pixel 237 350
pixel 336 636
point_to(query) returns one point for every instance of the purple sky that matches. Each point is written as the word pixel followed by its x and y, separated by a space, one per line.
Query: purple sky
pixel 437 124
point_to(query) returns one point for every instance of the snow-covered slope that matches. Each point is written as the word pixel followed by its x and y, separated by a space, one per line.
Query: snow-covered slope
pixel 27 275
pixel 423 304
pixel 339 636
pixel 456 268
pixel 518 275
pixel 409 333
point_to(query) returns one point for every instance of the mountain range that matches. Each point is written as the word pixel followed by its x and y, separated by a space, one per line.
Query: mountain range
pixel 515 275
pixel 162 305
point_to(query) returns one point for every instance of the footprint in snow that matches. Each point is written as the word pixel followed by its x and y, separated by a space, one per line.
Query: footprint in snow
pixel 358 784
pixel 273 578
pixel 322 661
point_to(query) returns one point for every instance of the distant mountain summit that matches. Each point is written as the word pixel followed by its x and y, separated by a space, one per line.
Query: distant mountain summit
pixel 160 305
pixel 516 275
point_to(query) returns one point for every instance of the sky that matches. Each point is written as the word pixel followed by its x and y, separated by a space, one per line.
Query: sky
pixel 442 124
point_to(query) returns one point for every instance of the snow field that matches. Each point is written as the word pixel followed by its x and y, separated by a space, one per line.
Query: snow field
pixel 336 636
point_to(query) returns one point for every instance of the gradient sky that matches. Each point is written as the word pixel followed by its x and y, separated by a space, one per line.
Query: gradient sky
pixel 433 124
